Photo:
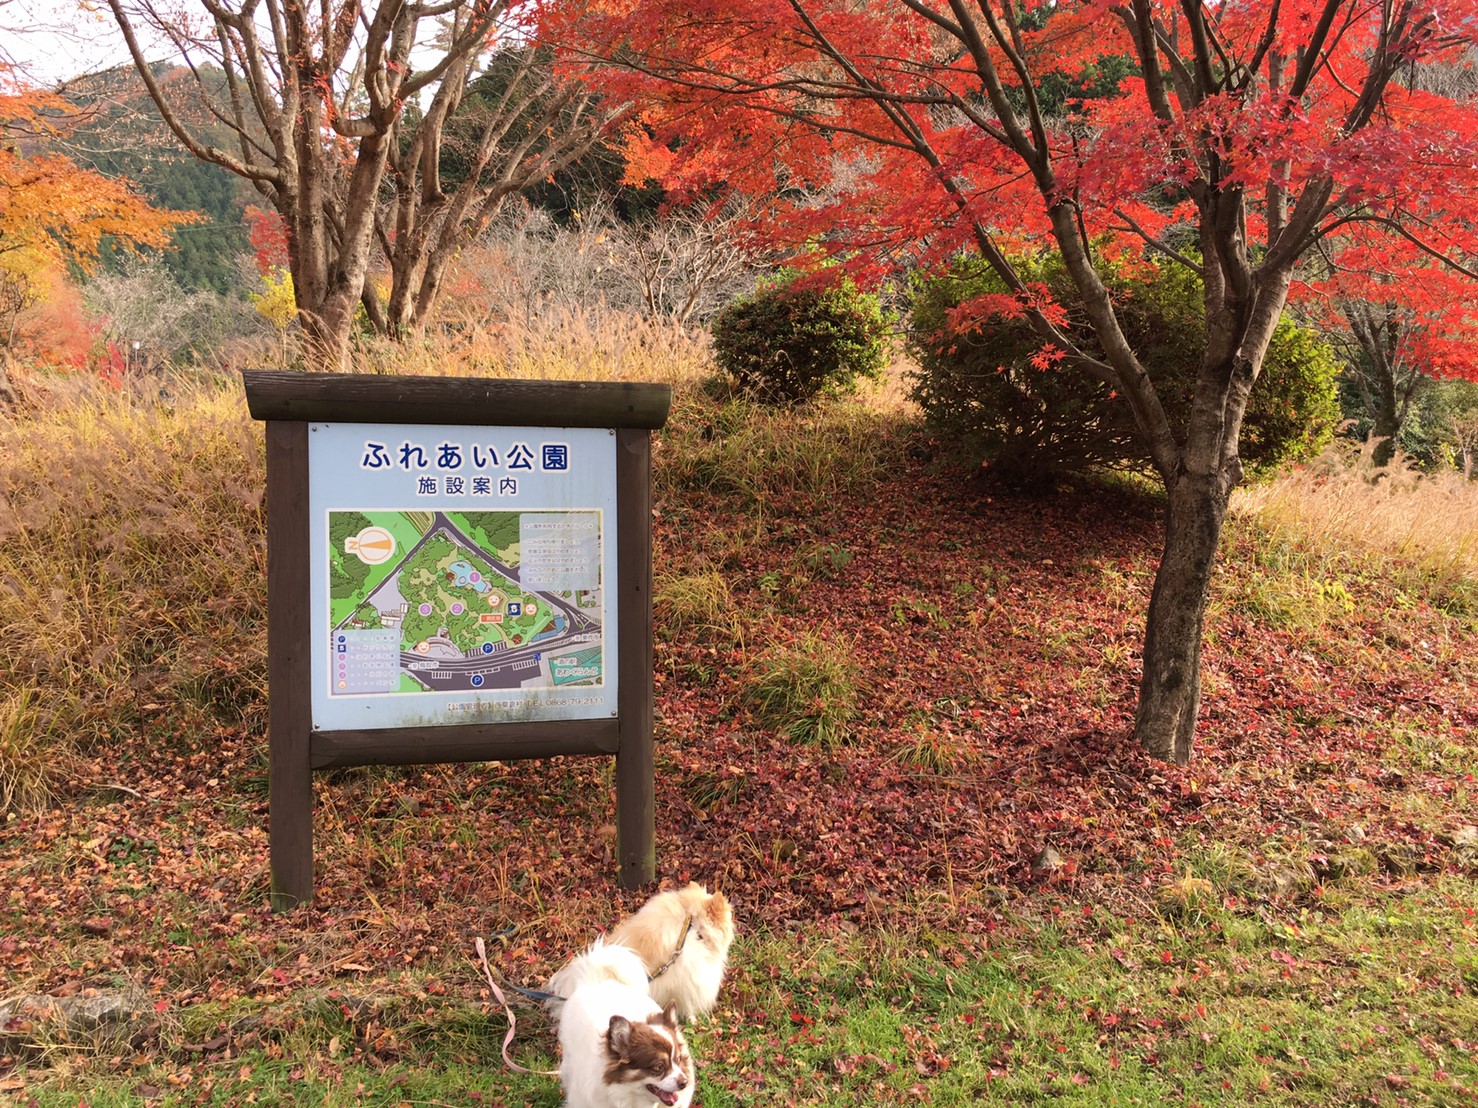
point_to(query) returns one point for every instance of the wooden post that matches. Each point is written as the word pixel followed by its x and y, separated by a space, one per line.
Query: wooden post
pixel 635 800
pixel 289 711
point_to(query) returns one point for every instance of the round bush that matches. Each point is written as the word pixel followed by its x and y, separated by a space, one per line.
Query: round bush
pixel 978 387
pixel 790 340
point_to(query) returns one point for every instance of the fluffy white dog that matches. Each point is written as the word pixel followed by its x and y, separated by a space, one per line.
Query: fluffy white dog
pixel 683 938
pixel 619 1048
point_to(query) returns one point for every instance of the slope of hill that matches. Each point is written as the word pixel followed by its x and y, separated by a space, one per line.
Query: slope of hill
pixel 119 133
pixel 894 709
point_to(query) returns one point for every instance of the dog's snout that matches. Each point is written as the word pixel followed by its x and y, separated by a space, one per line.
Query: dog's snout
pixel 682 1080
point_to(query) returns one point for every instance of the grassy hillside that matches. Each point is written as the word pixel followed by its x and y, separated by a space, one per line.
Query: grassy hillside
pixel 893 724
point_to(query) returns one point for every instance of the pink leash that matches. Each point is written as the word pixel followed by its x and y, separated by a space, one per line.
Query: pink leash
pixel 482 955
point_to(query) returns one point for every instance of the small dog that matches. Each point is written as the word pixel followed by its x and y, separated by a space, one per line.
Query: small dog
pixel 619 1049
pixel 683 939
pixel 680 940
pixel 602 963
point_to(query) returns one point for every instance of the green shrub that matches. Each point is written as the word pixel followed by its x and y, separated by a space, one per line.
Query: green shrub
pixel 980 389
pixel 790 340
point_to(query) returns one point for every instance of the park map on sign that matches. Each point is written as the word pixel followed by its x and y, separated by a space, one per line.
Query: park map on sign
pixel 433 601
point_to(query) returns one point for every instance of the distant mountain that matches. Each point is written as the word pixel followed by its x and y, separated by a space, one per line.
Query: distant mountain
pixel 119 133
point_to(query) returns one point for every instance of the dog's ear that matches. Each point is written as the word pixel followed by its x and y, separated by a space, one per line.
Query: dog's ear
pixel 618 1038
pixel 669 1015
pixel 717 909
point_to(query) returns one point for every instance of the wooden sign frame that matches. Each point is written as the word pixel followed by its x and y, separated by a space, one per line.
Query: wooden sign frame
pixel 288 402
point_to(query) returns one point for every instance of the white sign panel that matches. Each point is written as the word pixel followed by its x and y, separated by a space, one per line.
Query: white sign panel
pixel 461 574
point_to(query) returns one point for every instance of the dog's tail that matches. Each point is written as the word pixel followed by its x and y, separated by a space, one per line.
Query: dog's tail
pixel 602 961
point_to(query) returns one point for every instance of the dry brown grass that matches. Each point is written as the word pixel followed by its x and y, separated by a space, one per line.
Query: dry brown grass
pixel 888 393
pixel 559 344
pixel 1342 502
pixel 132 547
pixel 130 566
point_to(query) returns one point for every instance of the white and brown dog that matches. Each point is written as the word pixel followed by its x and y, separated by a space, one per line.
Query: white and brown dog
pixel 618 1047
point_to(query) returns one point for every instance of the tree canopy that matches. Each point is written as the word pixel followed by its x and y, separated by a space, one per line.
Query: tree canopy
pixel 119 133
pixel 54 209
pixel 339 114
pixel 1245 139
pixel 55 214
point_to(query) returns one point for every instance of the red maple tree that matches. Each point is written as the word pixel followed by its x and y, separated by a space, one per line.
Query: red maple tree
pixel 1250 135
pixel 1403 317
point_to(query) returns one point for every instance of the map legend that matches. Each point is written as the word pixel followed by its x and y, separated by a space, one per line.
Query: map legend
pixel 560 550
pixel 365 661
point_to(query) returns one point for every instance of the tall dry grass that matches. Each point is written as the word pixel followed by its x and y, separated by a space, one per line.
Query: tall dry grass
pixel 560 343
pixel 1428 521
pixel 131 561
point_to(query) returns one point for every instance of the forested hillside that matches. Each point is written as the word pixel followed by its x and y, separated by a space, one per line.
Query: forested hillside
pixel 120 134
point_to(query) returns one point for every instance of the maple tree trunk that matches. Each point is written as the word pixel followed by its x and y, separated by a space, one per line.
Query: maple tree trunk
pixel 331 263
pixel 1170 688
pixel 418 264
pixel 418 271
pixel 431 285
pixel 414 295
pixel 1387 420
pixel 327 331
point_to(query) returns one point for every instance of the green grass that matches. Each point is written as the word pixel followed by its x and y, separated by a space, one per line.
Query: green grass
pixel 805 689
pixel 1368 997
pixel 1333 1007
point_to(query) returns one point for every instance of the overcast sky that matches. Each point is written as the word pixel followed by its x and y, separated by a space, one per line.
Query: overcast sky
pixel 52 41
pixel 55 40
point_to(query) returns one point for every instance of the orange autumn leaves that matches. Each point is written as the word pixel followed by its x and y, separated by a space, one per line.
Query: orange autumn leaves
pixel 50 205
pixel 55 215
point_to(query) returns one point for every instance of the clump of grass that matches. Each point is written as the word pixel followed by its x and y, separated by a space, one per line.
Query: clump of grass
pixel 30 756
pixel 827 560
pixel 776 457
pixel 929 740
pixel 1223 867
pixel 712 789
pixel 805 689
pixel 935 751
pixel 1343 502
pixel 697 604
pixel 1292 597
pixel 1186 897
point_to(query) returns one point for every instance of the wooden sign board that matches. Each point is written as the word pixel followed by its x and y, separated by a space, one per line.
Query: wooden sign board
pixel 457 570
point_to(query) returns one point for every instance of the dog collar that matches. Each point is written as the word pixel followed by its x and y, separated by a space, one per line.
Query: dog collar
pixel 676 954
